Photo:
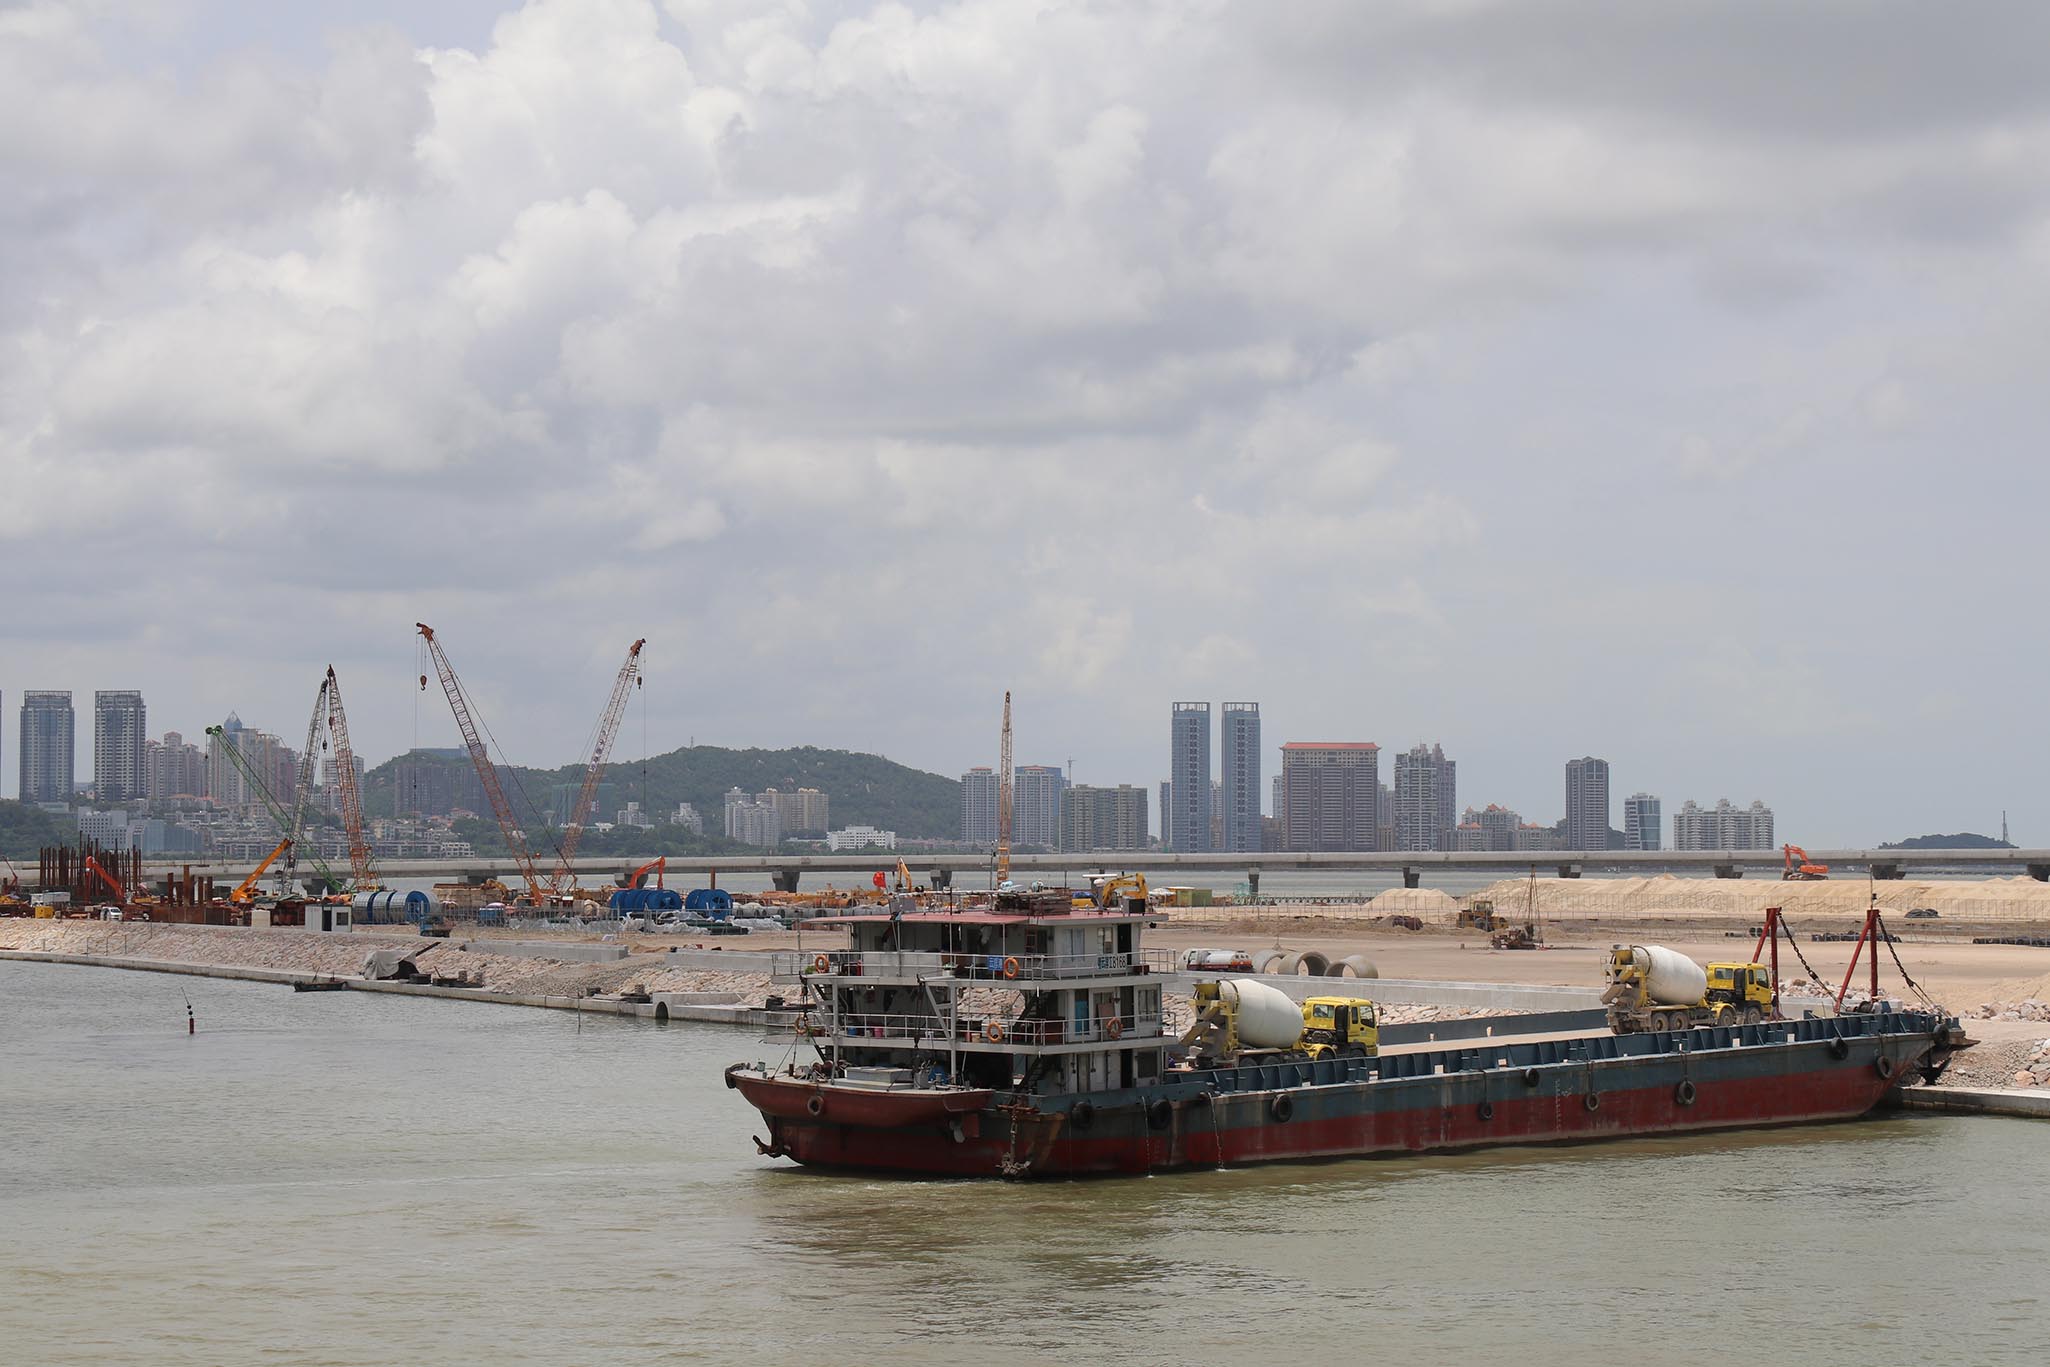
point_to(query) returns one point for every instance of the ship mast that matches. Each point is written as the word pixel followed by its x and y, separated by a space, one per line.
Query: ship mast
pixel 1004 799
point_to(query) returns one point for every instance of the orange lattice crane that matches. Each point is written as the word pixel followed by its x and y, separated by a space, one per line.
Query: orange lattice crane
pixel 587 796
pixel 364 872
pixel 538 887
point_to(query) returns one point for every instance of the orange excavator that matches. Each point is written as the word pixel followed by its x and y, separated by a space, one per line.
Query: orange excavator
pixel 658 867
pixel 113 883
pixel 1805 871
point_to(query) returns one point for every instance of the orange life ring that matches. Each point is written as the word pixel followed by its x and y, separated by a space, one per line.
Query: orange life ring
pixel 821 964
pixel 994 1032
pixel 1113 1027
pixel 1011 967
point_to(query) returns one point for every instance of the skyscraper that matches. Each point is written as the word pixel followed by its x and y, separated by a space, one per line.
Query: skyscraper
pixel 1587 804
pixel 1641 822
pixel 1426 798
pixel 48 741
pixel 1103 818
pixel 1240 737
pixel 119 730
pixel 979 806
pixel 1330 795
pixel 1036 805
pixel 1188 825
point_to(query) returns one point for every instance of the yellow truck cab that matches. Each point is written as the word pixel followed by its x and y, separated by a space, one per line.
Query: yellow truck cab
pixel 1340 1025
pixel 1745 988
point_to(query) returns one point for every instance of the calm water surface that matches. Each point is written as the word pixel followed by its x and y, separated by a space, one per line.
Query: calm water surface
pixel 338 1178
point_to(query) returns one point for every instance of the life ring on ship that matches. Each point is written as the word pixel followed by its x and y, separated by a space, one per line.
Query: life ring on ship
pixel 1684 1093
pixel 1113 1027
pixel 1486 1110
pixel 1160 1115
pixel 1081 1116
pixel 815 1105
pixel 1593 1101
pixel 1883 1066
pixel 822 964
pixel 1839 1048
pixel 1282 1108
pixel 1011 967
pixel 1530 1077
pixel 993 1032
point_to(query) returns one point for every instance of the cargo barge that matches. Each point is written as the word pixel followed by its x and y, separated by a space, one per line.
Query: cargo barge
pixel 1026 1040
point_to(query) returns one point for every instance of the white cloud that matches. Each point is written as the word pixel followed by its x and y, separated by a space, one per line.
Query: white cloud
pixel 1132 350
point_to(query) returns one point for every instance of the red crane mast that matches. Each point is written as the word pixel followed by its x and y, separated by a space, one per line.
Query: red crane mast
pixel 538 887
pixel 345 776
pixel 587 796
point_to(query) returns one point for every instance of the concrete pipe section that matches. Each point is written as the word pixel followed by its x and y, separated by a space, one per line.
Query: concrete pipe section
pixel 1353 966
pixel 1294 962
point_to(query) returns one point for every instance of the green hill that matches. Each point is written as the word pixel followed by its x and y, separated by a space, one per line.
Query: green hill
pixel 861 789
pixel 1963 840
pixel 25 829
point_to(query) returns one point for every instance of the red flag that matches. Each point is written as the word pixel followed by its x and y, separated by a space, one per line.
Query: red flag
pixel 881 881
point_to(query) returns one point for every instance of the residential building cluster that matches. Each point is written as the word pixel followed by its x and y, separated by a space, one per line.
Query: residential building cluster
pixel 766 818
pixel 1724 826
pixel 1329 796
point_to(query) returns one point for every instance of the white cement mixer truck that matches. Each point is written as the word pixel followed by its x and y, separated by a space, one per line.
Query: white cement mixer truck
pixel 1651 988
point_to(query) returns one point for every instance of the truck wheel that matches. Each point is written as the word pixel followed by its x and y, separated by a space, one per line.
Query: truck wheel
pixel 1660 1021
pixel 1752 1015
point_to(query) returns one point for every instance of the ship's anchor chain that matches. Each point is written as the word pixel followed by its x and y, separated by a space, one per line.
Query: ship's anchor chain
pixel 1887 938
pixel 1795 944
pixel 1012 1166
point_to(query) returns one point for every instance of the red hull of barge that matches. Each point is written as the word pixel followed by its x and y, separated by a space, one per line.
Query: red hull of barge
pixel 1753 1087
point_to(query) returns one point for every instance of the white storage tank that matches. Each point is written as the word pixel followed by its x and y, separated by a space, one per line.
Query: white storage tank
pixel 1670 977
pixel 1268 1017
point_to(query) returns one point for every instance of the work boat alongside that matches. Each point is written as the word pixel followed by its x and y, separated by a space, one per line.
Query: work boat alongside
pixel 1025 1039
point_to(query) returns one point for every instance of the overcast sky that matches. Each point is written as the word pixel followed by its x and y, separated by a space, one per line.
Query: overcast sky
pixel 1662 382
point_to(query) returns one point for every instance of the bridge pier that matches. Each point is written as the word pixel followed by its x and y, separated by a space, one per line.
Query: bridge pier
pixel 1569 870
pixel 786 879
pixel 2040 872
pixel 1410 878
pixel 1253 885
pixel 940 878
pixel 1888 873
pixel 1728 871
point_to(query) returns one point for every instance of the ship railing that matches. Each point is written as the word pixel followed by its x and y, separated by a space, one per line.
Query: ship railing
pixel 984 1029
pixel 877 963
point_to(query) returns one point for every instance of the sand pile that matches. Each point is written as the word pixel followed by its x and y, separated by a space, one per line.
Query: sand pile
pixel 1986 899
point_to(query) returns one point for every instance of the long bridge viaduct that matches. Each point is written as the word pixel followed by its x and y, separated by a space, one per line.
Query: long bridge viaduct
pixel 940 870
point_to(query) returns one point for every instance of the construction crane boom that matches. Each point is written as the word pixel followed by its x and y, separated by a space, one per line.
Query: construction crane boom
pixel 538 888
pixel 261 787
pixel 601 749
pixel 360 865
pixel 1004 798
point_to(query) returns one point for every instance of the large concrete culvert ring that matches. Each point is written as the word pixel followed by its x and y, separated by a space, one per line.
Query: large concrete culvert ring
pixel 1297 962
pixel 1353 966
pixel 1269 961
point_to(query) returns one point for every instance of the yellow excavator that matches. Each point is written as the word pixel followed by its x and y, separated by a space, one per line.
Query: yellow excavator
pixel 1115 891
